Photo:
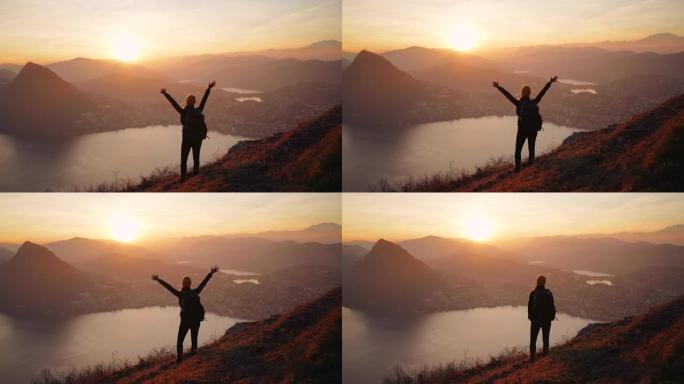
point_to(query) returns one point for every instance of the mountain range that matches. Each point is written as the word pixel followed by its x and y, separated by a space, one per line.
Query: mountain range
pixel 84 95
pixel 421 85
pixel 103 275
pixel 453 275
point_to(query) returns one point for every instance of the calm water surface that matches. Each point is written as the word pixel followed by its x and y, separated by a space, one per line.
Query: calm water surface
pixel 369 155
pixel 372 346
pixel 27 347
pixel 88 160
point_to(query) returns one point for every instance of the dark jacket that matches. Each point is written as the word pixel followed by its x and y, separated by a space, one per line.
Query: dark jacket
pixel 519 104
pixel 184 293
pixel 540 306
pixel 187 110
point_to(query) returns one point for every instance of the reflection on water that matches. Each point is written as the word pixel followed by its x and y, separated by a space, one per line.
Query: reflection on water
pixel 87 160
pixel 238 272
pixel 249 281
pixel 371 154
pixel 576 82
pixel 372 346
pixel 253 98
pixel 591 273
pixel 584 90
pixel 241 91
pixel 604 282
pixel 28 346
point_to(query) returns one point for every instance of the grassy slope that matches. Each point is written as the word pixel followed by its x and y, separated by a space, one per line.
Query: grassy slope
pixel 301 346
pixel 307 158
pixel 648 348
pixel 642 154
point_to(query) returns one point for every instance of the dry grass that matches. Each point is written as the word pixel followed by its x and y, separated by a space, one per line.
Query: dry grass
pixel 104 372
pixel 452 371
pixel 442 181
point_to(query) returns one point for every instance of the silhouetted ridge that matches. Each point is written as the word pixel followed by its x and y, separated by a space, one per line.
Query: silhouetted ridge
pixel 36 259
pixel 35 282
pixel 306 158
pixel 303 345
pixel 389 279
pixel 34 78
pixel 390 255
pixel 640 154
pixel 641 349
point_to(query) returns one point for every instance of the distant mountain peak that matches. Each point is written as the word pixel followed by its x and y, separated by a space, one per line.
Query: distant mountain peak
pixel 32 254
pixel 386 250
pixel 33 74
pixel 326 44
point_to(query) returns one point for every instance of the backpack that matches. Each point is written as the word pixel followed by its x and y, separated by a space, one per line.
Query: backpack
pixel 543 307
pixel 530 117
pixel 191 306
pixel 193 119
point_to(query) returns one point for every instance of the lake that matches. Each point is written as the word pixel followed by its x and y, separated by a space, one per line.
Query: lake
pixel 369 155
pixel 372 346
pixel 27 347
pixel 88 160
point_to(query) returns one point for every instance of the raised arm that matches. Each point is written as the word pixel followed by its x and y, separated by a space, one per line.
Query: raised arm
pixel 546 88
pixel 206 95
pixel 505 93
pixel 171 100
pixel 166 285
pixel 204 282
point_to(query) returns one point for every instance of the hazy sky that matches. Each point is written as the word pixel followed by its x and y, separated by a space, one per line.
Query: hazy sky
pixel 48 30
pixel 402 216
pixel 43 217
pixel 386 24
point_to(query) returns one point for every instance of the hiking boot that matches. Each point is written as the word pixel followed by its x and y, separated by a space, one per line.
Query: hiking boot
pixel 179 360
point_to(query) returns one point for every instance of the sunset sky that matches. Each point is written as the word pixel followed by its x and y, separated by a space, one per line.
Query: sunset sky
pixel 45 31
pixel 505 215
pixel 481 24
pixel 46 217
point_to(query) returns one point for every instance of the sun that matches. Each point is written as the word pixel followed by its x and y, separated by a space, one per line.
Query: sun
pixel 478 229
pixel 124 228
pixel 464 38
pixel 126 48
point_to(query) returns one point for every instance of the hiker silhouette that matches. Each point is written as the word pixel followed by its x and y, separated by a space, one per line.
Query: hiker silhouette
pixel 194 128
pixel 541 311
pixel 529 119
pixel 192 311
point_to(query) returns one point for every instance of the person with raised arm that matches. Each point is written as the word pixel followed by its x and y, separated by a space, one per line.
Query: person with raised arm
pixel 194 128
pixel 192 311
pixel 529 118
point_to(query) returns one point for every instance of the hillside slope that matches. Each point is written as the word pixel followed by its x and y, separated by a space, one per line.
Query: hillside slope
pixel 641 154
pixel 301 346
pixel 306 158
pixel 642 349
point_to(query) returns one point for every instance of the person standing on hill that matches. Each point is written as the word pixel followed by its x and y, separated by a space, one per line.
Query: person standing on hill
pixel 541 311
pixel 192 311
pixel 529 118
pixel 194 128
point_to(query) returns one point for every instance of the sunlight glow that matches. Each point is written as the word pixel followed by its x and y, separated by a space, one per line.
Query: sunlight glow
pixel 124 227
pixel 478 229
pixel 126 48
pixel 464 38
